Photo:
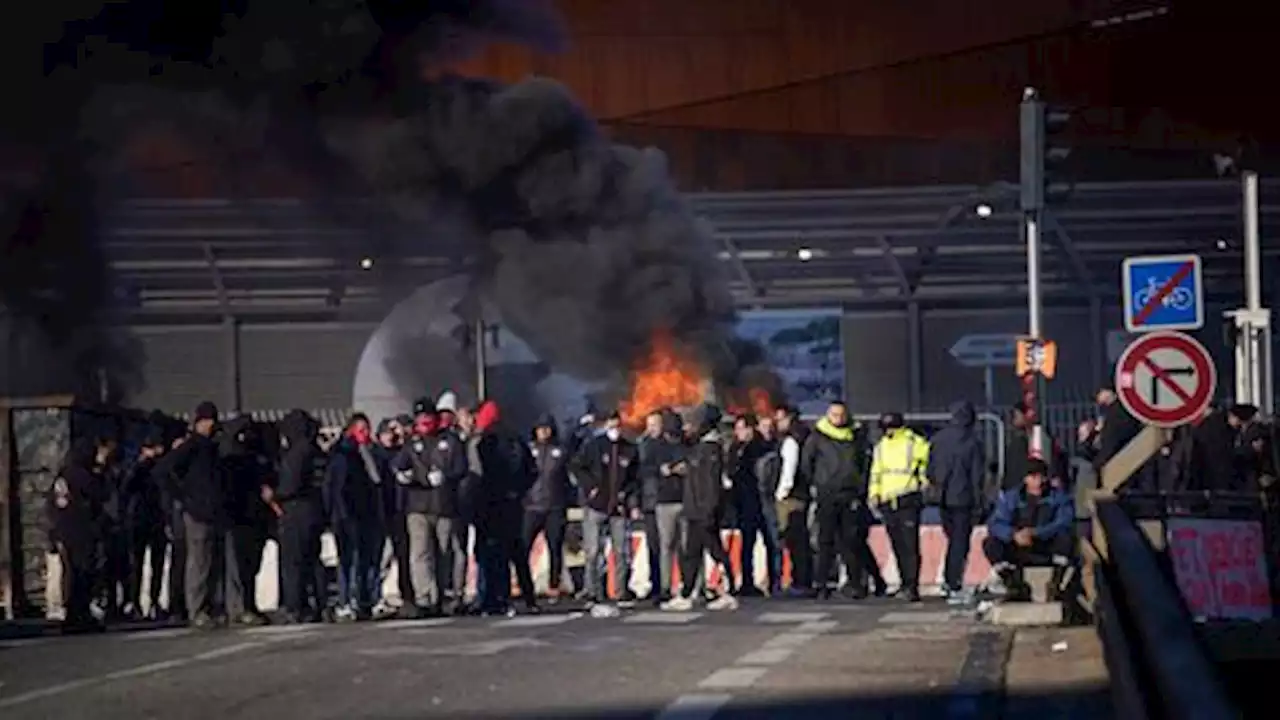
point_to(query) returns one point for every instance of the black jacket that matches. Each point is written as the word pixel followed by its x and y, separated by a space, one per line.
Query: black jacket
pixel 834 461
pixel 75 501
pixel 301 472
pixel 246 470
pixel 957 462
pixel 195 472
pixel 743 468
pixel 444 453
pixel 504 473
pixel 608 475
pixel 703 479
pixel 352 491
pixel 1214 461
pixel 144 507
pixel 550 489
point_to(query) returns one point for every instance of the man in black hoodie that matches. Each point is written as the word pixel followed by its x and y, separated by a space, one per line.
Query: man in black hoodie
pixel 246 471
pixel 704 479
pixel 831 458
pixel 607 468
pixel 505 471
pixel 547 498
pixel 297 493
pixel 144 515
pixel 957 472
pixel 195 472
pixel 76 522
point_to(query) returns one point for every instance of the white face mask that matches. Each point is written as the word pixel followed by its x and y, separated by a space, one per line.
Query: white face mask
pixel 613 434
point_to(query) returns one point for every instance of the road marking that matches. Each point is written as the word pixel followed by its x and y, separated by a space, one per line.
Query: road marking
pixel 23 642
pixel 163 634
pixel 533 621
pixel 733 677
pixel 414 624
pixel 785 618
pixel 789 640
pixel 767 656
pixel 894 618
pixel 147 669
pixel 480 649
pixel 229 650
pixel 277 630
pixel 42 693
pixel 817 628
pixel 656 617
pixel 694 707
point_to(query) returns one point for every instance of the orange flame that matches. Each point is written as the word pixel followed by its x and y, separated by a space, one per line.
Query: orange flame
pixel 756 400
pixel 664 378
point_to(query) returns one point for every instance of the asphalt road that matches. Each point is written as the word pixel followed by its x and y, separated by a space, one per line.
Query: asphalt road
pixel 767 659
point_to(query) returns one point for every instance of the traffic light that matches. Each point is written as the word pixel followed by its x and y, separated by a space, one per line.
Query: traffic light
pixel 1043 152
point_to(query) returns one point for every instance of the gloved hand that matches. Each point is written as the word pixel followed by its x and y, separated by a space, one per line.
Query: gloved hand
pixel 435 478
pixel 404 477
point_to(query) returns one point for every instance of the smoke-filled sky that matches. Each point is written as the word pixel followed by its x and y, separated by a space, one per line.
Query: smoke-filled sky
pixel 586 246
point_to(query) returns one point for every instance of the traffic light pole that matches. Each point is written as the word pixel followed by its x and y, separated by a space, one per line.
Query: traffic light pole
pixel 1035 315
pixel 1254 376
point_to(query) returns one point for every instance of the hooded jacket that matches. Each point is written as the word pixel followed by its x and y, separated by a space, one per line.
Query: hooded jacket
pixel 833 462
pixel 246 471
pixel 195 475
pixel 351 492
pixel 957 466
pixel 500 465
pixel 76 500
pixel 608 474
pixel 550 489
pixel 301 472
pixel 704 477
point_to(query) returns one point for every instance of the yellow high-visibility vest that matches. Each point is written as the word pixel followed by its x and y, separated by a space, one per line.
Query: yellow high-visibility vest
pixel 898 465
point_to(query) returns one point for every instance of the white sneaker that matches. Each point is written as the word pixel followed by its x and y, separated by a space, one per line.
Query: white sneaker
pixel 602 610
pixel 724 602
pixel 678 603
pixel 344 613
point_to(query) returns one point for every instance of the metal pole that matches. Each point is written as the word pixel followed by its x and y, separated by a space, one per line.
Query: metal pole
pixel 989 386
pixel 481 362
pixel 1035 317
pixel 1252 245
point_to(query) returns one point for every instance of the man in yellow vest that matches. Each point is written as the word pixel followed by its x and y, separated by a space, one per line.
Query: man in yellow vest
pixel 897 491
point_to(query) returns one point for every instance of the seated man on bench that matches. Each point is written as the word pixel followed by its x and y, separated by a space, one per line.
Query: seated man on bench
pixel 1032 525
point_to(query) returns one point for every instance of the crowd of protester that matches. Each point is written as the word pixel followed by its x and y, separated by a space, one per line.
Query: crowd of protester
pixel 429 491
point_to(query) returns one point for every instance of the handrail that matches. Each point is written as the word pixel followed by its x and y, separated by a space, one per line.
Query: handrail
pixel 1184 681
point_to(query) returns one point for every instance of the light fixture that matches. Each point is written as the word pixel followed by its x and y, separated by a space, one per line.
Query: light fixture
pixel 1222 244
pixel 366 263
pixel 983 210
pixel 805 254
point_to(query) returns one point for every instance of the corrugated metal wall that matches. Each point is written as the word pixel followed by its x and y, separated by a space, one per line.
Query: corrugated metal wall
pixel 308 366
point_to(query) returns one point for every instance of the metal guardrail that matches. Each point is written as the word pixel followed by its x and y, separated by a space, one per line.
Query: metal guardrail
pixel 1153 651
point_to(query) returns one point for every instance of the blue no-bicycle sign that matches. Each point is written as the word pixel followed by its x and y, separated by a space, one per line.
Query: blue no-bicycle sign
pixel 1162 292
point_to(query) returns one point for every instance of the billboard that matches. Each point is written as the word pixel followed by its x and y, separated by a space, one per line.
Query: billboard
pixel 803 347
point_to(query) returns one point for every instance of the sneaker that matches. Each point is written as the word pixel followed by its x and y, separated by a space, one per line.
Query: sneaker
pixel 203 622
pixel 678 603
pixel 344 613
pixel 724 602
pixel 602 610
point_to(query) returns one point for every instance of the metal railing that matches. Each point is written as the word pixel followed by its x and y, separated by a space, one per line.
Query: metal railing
pixel 1154 655
pixel 993 430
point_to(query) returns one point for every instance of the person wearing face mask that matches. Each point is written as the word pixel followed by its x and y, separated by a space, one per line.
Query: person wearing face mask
pixel 246 472
pixel 352 494
pixel 298 495
pixel 896 489
pixel 431 468
pixel 547 498
pixel 396 554
pixel 607 468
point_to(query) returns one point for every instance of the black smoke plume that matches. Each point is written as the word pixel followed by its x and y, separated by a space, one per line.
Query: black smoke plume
pixel 586 246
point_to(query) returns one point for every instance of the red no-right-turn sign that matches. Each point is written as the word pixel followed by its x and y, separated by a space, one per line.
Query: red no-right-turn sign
pixel 1165 379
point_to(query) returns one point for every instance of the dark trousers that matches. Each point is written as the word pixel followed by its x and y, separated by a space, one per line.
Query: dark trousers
pixel 902 523
pixel 1039 553
pixel 177 563
pixel 552 523
pixel 112 574
pixel 870 570
pixel 841 528
pixel 755 519
pixel 206 554
pixel 793 526
pixel 398 531
pixel 79 565
pixel 302 577
pixel 359 552
pixel 957 525
pixel 503 542
pixel 144 537
pixel 702 536
pixel 245 543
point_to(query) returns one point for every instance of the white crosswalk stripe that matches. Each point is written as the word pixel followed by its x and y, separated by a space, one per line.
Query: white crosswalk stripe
pixel 790 618
pixel 662 618
pixel 534 621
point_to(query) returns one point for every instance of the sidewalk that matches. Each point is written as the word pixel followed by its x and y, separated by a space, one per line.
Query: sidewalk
pixel 1069 683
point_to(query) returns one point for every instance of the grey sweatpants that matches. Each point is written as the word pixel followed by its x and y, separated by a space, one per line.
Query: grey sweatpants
pixel 670 541
pixel 436 545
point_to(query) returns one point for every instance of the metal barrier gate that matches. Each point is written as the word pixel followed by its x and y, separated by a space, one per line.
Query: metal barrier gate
pixel 992 431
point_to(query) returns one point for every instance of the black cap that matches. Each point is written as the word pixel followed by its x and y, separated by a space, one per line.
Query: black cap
pixel 206 411
pixel 424 405
pixel 1037 466
pixel 384 425
pixel 891 421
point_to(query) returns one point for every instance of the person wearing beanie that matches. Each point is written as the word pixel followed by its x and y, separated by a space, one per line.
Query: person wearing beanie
pixel 1031 525
pixel 546 501
pixel 703 470
pixel 195 474
pixel 607 467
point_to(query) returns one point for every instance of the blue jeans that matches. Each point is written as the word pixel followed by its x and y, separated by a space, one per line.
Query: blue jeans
pixel 761 519
pixel 359 555
pixel 597 529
